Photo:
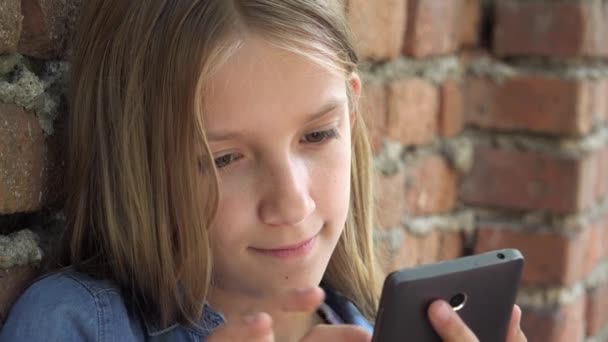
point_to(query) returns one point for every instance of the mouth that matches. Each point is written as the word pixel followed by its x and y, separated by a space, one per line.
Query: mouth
pixel 289 251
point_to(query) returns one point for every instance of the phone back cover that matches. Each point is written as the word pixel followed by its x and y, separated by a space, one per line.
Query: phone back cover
pixel 487 311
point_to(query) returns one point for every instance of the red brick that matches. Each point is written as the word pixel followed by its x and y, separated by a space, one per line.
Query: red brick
pixel 565 323
pixel 47 26
pixel 533 103
pixel 599 99
pixel 602 234
pixel 529 180
pixel 451 245
pixel 433 27
pixel 391 202
pixel 374 107
pixel 378 27
pixel 26 165
pixel 413 110
pixel 597 309
pixel 430 186
pixel 551 258
pixel 425 249
pixel 470 22
pixel 10 25
pixel 417 250
pixel 451 110
pixel 550 28
pixel 13 282
pixel 602 170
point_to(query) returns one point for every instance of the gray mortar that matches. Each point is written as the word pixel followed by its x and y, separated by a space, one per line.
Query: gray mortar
pixel 602 336
pixel 436 70
pixel 598 277
pixel 392 237
pixel 543 221
pixel 553 146
pixel 19 248
pixel 459 152
pixel 574 69
pixel 461 221
pixel 393 156
pixel 40 94
pixel 8 63
pixel 388 159
pixel 538 298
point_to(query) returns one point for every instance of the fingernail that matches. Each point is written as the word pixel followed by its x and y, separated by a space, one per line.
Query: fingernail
pixel 442 312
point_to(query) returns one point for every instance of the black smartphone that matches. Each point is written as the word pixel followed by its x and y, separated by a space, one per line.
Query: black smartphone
pixel 481 288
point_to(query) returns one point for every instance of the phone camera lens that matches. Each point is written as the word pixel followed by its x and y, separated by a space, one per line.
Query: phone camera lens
pixel 501 256
pixel 457 302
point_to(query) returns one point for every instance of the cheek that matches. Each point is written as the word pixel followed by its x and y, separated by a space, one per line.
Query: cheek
pixel 228 228
pixel 332 184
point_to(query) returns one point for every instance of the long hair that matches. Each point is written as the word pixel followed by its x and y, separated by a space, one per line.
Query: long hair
pixel 137 145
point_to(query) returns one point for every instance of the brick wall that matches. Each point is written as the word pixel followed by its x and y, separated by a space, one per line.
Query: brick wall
pixel 488 122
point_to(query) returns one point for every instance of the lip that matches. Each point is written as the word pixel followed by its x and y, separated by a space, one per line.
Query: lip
pixel 289 251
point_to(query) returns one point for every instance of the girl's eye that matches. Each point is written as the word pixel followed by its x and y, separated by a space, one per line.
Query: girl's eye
pixel 320 136
pixel 225 160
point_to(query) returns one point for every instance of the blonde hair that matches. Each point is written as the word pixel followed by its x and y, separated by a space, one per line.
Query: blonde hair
pixel 137 145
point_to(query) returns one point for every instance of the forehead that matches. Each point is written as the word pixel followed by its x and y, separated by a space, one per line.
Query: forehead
pixel 261 81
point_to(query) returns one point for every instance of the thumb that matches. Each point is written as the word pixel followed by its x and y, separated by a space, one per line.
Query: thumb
pixel 448 325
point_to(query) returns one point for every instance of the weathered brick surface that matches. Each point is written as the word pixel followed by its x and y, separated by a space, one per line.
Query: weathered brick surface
pixel 423 249
pixel 378 27
pixel 532 103
pixel 374 107
pixel 430 186
pixel 24 161
pixel 529 180
pixel 451 110
pixel 413 110
pixel 565 323
pixel 562 259
pixel 596 313
pixel 551 28
pixel 47 27
pixel 10 25
pixel 12 283
pixel 470 23
pixel 433 27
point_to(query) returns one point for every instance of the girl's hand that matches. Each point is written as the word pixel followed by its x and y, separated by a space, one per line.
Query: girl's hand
pixel 451 328
pixel 257 327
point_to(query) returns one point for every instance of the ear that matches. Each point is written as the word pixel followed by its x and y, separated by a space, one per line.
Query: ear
pixel 354 82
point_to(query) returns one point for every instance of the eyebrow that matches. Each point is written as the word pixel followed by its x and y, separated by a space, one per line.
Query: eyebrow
pixel 323 111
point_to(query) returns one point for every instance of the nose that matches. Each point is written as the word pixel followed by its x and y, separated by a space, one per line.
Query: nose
pixel 286 200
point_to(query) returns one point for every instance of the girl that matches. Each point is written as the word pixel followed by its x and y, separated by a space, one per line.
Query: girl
pixel 219 173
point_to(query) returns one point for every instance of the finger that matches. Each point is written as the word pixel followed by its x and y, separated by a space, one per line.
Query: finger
pixel 514 333
pixel 256 327
pixel 336 333
pixel 448 324
pixel 293 300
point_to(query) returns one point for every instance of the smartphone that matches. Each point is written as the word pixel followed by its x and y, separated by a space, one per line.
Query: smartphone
pixel 481 288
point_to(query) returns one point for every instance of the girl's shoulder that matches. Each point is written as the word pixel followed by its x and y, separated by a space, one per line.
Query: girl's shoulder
pixel 65 305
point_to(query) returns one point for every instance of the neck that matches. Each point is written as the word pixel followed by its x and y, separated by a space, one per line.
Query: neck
pixel 287 326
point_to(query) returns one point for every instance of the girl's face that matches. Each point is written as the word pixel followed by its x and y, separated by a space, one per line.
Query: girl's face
pixel 280 129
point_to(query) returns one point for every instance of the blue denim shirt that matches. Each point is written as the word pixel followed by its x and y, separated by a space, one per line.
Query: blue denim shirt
pixel 72 306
